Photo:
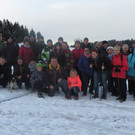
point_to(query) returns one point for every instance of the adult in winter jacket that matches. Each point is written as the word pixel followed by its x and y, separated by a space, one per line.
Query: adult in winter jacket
pixel 120 66
pixel 86 44
pixel 45 54
pixel 102 50
pixel 26 51
pixel 55 77
pixel 34 47
pixel 125 50
pixel 21 73
pixel 4 72
pixel 37 80
pixel 77 53
pixel 2 44
pixel 131 73
pixel 100 67
pixel 58 53
pixel 74 84
pixel 83 66
pixel 68 57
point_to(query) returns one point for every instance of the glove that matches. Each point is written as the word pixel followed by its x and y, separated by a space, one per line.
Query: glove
pixel 117 69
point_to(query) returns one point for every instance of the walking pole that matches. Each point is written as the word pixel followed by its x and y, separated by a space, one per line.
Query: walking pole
pixel 91 72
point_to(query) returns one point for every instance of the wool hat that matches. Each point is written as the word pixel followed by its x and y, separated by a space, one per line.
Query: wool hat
pixel 85 39
pixel 104 42
pixel 60 38
pixel 26 39
pixel 110 47
pixel 39 65
pixel 49 40
pixel 58 44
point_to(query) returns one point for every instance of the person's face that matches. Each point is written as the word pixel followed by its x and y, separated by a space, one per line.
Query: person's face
pixel 10 40
pixel 94 54
pixel 64 46
pixel 32 62
pixel 125 49
pixel 77 45
pixel 49 44
pixel 39 69
pixel 133 45
pixel 20 61
pixel 86 42
pixel 0 38
pixel 54 62
pixel 32 39
pixel 26 43
pixel 105 45
pixel 72 74
pixel 2 61
pixel 57 47
pixel 110 51
pixel 60 41
pixel 86 51
pixel 116 51
pixel 98 46
pixel 41 39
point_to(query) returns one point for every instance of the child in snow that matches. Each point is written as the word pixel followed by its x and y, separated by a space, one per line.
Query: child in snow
pixel 32 65
pixel 37 79
pixel 74 84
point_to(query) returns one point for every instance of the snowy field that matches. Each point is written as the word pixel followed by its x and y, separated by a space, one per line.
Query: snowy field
pixel 30 115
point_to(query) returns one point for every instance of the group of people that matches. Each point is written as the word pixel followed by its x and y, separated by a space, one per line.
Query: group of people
pixel 46 67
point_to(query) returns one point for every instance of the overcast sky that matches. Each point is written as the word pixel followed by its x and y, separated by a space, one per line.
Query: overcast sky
pixel 96 19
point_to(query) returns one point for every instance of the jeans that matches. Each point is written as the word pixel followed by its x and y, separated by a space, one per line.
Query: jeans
pixel 100 76
pixel 63 84
pixel 74 91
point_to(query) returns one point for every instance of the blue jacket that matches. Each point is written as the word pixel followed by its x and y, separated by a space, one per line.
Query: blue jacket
pixel 84 65
pixel 131 64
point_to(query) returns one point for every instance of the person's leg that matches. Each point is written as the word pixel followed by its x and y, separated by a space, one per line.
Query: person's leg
pixel 104 82
pixel 75 92
pixel 19 83
pixel 130 87
pixel 91 84
pixel 123 90
pixel 96 81
pixel 115 91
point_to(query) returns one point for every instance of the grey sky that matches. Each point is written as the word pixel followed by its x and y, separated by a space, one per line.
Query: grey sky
pixel 72 19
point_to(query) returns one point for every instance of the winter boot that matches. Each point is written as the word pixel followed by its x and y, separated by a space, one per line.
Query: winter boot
pixel 40 95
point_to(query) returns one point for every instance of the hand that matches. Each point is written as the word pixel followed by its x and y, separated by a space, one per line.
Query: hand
pixel 70 87
pixel 28 76
pixel 117 70
pixel 19 77
pixel 91 65
pixel 59 80
pixel 51 87
pixel 102 67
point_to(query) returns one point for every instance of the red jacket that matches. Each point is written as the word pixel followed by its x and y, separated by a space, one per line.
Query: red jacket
pixel 122 63
pixel 77 53
pixel 75 81
pixel 26 53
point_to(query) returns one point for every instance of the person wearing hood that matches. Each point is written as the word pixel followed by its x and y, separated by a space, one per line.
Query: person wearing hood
pixel 26 51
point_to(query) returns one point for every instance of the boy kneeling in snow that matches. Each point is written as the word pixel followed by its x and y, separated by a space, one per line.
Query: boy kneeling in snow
pixel 74 84
pixel 37 80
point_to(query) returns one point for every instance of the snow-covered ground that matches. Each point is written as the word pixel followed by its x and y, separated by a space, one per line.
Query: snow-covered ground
pixel 30 115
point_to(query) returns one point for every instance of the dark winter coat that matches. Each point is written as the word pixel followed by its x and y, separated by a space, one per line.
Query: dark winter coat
pixel 35 49
pixel 21 70
pixel 41 46
pixel 26 53
pixel 10 52
pixel 98 62
pixel 102 52
pixel 77 53
pixel 5 74
pixel 2 44
pixel 52 75
pixel 37 76
pixel 83 65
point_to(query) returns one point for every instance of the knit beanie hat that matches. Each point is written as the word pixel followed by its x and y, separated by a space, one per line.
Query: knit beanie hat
pixel 39 65
pixel 110 47
pixel 26 39
pixel 19 57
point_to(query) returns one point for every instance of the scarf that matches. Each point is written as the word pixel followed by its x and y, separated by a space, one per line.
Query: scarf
pixel 26 46
pixel 32 67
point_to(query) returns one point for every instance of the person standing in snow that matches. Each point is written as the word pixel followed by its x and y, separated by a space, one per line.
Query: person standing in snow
pixel 55 77
pixel 68 56
pixel 74 84
pixel 2 44
pixel 26 51
pixel 120 66
pixel 83 66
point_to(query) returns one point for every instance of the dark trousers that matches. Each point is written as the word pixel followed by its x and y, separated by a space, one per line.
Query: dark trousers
pixel 85 82
pixel 63 84
pixel 131 87
pixel 25 80
pixel 110 84
pixel 39 86
pixel 120 87
pixel 73 92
